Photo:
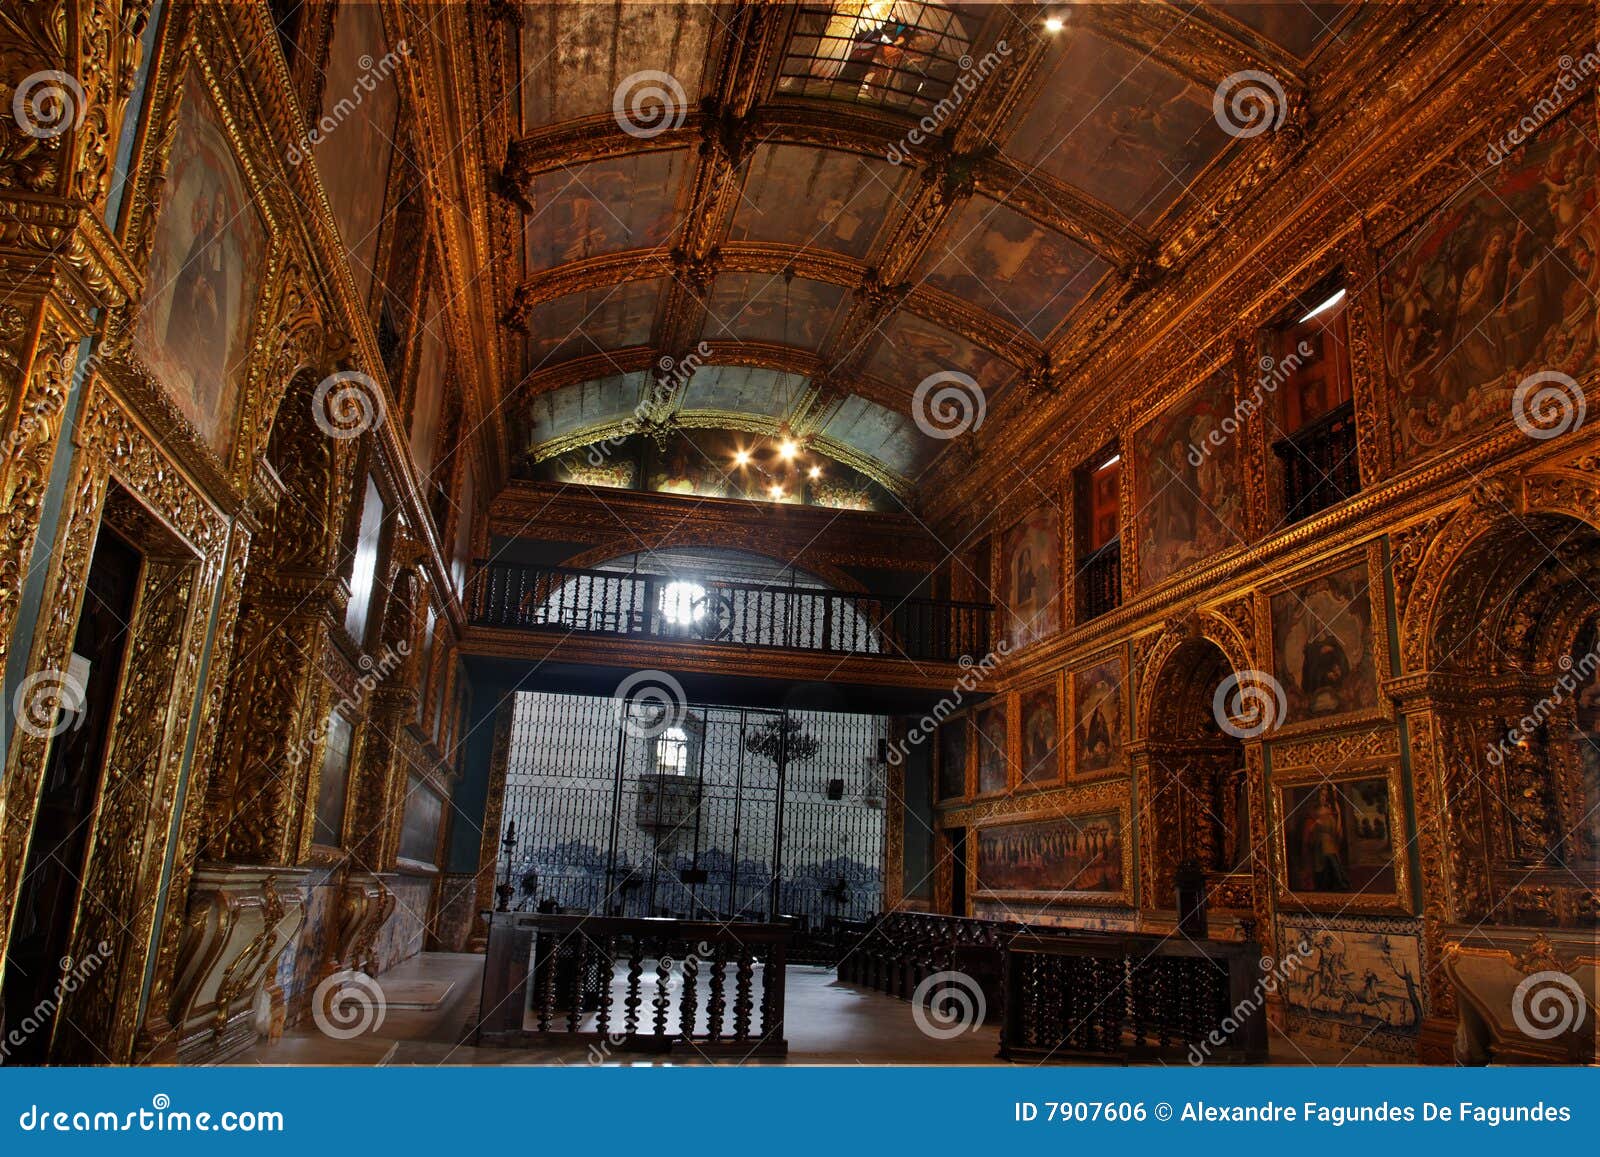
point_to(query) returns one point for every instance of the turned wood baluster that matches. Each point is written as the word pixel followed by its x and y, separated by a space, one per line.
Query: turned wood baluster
pixel 631 998
pixel 547 987
pixel 772 982
pixel 742 1004
pixel 602 1022
pixel 663 989
pixel 689 1001
pixel 580 960
pixel 718 1004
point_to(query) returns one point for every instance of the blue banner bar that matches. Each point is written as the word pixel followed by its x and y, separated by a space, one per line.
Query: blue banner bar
pixel 779 1110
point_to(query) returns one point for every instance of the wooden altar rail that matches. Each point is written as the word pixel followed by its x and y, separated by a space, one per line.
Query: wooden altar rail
pixel 714 989
pixel 1070 994
pixel 898 951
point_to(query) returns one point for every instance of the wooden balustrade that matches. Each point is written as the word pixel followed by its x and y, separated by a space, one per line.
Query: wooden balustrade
pixel 1321 467
pixel 1070 994
pixel 709 610
pixel 715 989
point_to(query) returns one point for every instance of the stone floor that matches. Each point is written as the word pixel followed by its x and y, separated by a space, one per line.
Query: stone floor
pixel 827 1023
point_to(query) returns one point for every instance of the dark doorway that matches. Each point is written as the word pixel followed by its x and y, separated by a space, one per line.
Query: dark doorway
pixel 48 903
pixel 956 840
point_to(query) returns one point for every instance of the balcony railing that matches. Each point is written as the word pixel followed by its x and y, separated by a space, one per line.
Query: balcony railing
pixel 1320 466
pixel 1100 579
pixel 619 603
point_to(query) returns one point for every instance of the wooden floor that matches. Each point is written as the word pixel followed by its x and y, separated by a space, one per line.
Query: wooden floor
pixel 827 1023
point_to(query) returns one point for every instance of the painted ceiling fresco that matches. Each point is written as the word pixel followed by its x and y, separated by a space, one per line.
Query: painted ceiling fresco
pixel 1011 266
pixel 756 307
pixel 770 201
pixel 576 55
pixel 815 199
pixel 1119 127
pixel 604 207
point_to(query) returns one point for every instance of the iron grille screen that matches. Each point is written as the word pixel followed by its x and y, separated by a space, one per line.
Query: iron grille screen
pixel 714 813
pixel 898 55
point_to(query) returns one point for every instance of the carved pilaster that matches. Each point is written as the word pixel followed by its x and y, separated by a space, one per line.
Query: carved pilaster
pixel 493 813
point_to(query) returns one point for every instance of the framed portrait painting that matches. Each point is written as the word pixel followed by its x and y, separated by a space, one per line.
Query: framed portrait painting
pixel 1325 653
pixel 993 755
pixel 1032 557
pixel 209 247
pixel 952 745
pixel 1341 839
pixel 1039 752
pixel 1099 718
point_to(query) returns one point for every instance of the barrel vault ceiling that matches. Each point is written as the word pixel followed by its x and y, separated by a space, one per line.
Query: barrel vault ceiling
pixel 749 216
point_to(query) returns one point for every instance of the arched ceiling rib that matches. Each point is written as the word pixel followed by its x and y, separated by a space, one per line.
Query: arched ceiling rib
pixel 775 213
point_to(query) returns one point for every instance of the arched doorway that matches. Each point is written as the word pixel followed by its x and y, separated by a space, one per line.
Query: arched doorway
pixel 1516 631
pixel 1195 796
pixel 1505 726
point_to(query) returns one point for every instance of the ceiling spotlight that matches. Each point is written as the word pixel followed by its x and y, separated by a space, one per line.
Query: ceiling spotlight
pixel 815 472
pixel 788 448
pixel 741 458
pixel 1054 24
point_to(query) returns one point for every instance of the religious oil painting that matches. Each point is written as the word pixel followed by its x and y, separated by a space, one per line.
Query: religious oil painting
pixel 1338 837
pixel 1097 697
pixel 990 738
pixel 210 246
pixel 953 740
pixel 1497 285
pixel 1032 551
pixel 360 109
pixel 1322 640
pixel 1064 855
pixel 1187 480
pixel 1038 719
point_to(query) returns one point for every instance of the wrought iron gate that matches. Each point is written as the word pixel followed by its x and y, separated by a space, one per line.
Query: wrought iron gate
pixel 717 812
